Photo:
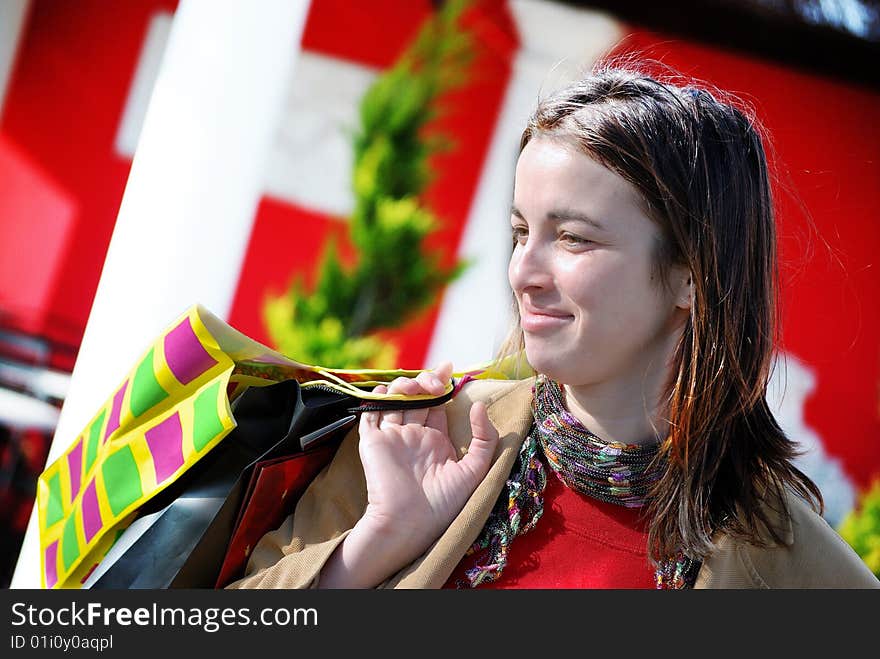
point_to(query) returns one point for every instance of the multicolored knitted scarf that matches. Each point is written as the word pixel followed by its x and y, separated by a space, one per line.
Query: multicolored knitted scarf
pixel 608 471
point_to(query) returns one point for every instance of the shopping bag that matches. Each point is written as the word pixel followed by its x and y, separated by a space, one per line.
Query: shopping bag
pixel 168 414
pixel 184 543
pixel 274 489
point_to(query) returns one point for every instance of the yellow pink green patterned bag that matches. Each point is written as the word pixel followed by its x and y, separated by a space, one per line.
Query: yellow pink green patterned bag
pixel 169 412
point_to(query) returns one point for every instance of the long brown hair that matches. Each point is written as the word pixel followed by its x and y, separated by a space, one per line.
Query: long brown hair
pixel 698 160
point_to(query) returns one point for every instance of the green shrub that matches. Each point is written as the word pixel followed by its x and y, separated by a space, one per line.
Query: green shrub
pixel 861 528
pixel 334 324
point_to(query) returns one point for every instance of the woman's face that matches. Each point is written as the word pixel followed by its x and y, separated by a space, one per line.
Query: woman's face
pixel 581 270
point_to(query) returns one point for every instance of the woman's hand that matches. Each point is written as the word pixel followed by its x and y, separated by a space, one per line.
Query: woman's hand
pixel 416 484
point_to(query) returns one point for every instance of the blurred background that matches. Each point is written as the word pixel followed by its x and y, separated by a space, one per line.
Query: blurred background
pixel 360 218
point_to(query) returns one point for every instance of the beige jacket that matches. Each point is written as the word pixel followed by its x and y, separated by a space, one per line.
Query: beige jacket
pixel 813 555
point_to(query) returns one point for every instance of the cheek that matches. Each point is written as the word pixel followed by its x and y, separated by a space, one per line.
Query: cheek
pixel 590 286
pixel 641 310
pixel 614 298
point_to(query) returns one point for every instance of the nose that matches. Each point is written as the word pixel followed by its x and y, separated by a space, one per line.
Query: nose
pixel 529 267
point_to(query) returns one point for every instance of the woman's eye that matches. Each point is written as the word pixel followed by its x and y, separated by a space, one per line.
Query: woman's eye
pixel 519 233
pixel 571 239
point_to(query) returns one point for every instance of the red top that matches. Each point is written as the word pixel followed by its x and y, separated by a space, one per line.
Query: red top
pixel 580 542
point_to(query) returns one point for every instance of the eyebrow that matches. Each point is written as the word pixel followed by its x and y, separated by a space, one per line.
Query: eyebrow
pixel 563 214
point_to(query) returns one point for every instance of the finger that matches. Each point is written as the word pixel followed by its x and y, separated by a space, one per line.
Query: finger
pixel 483 443
pixel 437 419
pixel 404 385
pixel 401 385
pixel 427 382
pixel 397 386
pixel 418 415
pixel 430 383
pixel 390 417
pixel 370 420
pixel 443 372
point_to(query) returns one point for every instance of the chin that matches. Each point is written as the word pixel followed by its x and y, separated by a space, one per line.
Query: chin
pixel 551 365
pixel 569 368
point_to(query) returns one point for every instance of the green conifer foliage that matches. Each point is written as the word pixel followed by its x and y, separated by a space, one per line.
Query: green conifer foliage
pixel 334 324
pixel 861 528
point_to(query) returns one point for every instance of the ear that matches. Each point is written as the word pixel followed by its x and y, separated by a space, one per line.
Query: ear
pixel 684 289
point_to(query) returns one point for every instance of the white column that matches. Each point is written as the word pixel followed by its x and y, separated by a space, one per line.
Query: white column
pixel 188 207
pixel 12 20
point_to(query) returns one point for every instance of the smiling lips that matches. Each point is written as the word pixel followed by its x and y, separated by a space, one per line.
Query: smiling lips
pixel 536 319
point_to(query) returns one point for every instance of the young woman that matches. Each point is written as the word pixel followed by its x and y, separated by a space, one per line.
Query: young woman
pixel 643 453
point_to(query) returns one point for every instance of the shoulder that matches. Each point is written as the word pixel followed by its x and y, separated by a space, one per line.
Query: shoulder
pixel 504 399
pixel 812 555
pixel 508 403
pixel 815 556
pixel 489 391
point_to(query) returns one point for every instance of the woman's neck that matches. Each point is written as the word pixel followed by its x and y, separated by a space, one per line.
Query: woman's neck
pixel 628 408
pixel 620 414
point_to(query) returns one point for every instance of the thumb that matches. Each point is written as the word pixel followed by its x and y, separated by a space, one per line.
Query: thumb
pixel 484 441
